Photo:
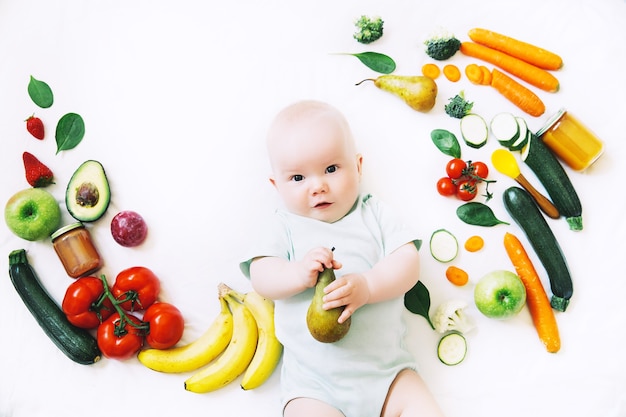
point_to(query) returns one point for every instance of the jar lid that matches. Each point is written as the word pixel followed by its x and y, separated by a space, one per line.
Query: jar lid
pixel 65 229
pixel 551 121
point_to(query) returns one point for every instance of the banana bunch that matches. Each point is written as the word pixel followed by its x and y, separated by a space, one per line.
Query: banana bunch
pixel 241 340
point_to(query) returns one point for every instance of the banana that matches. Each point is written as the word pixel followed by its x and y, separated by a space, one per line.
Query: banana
pixel 269 349
pixel 235 359
pixel 197 353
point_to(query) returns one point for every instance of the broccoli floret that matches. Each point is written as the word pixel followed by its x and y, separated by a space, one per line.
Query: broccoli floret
pixel 458 106
pixel 369 29
pixel 442 45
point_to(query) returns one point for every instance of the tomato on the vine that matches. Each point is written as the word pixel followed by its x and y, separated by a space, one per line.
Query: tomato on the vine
pixel 466 190
pixel 446 186
pixel 166 325
pixel 479 170
pixel 136 288
pixel 85 304
pixel 456 168
pixel 119 339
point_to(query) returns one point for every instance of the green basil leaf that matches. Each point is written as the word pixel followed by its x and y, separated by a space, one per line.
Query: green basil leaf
pixel 375 61
pixel 478 214
pixel 417 301
pixel 70 131
pixel 446 142
pixel 40 93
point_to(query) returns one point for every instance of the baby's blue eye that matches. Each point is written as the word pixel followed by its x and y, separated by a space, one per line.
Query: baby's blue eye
pixel 297 178
pixel 331 169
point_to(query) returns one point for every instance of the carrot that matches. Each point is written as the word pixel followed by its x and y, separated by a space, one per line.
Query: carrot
pixel 517 94
pixel 457 276
pixel 474 73
pixel 431 70
pixel 536 298
pixel 531 74
pixel 474 244
pixel 452 72
pixel 532 54
pixel 486 75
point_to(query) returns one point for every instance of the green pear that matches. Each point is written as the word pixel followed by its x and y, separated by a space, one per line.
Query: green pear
pixel 323 324
pixel 417 91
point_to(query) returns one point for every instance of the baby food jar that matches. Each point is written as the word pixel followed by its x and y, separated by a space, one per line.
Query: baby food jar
pixel 571 141
pixel 75 249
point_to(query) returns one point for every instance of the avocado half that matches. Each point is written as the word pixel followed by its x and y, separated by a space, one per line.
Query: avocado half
pixel 88 193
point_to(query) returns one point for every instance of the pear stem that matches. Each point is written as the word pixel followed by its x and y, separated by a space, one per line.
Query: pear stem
pixel 367 79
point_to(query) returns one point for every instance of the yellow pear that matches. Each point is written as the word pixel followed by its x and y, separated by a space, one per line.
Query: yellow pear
pixel 417 91
pixel 323 324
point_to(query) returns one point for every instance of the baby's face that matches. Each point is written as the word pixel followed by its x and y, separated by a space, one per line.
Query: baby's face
pixel 316 169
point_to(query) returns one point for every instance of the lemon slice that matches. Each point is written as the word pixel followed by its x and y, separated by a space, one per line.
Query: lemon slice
pixel 443 245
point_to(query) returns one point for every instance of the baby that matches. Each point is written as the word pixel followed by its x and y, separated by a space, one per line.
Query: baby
pixel 316 171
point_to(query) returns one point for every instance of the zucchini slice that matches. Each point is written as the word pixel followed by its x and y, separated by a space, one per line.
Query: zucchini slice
pixel 505 128
pixel 443 245
pixel 474 130
pixel 452 348
pixel 524 134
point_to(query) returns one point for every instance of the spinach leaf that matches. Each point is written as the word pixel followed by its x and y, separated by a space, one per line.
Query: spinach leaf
pixel 478 214
pixel 417 301
pixel 40 93
pixel 375 61
pixel 446 142
pixel 70 131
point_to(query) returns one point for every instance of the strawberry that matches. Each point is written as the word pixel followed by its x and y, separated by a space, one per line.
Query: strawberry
pixel 35 126
pixel 37 174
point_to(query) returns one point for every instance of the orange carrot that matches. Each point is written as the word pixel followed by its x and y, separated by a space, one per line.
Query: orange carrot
pixel 532 54
pixel 457 276
pixel 474 73
pixel 486 75
pixel 452 72
pixel 517 94
pixel 431 70
pixel 531 74
pixel 536 298
pixel 474 244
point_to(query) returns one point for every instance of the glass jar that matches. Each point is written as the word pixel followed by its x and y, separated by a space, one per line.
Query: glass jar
pixel 76 250
pixel 571 141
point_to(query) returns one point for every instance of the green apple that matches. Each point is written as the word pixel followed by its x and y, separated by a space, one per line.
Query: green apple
pixel 500 294
pixel 32 214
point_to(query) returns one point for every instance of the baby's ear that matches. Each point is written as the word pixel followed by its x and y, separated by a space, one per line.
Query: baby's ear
pixel 359 163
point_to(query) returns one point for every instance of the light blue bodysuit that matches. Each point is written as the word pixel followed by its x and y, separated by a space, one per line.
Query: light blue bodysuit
pixel 355 373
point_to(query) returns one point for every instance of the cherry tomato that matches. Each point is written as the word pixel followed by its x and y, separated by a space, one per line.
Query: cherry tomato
pixel 138 286
pixel 84 303
pixel 446 186
pixel 466 190
pixel 118 339
pixel 166 325
pixel 479 169
pixel 456 168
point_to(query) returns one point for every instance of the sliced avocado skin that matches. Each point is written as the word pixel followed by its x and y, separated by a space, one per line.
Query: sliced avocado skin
pixel 89 172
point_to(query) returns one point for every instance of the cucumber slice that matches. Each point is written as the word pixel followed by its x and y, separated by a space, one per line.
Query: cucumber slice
pixel 443 245
pixel 505 128
pixel 452 348
pixel 474 130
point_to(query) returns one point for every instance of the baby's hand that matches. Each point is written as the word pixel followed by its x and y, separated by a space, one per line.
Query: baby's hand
pixel 349 290
pixel 313 263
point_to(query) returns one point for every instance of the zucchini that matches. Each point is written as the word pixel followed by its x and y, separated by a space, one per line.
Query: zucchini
pixel 443 245
pixel 526 214
pixel 474 130
pixel 554 179
pixel 77 344
pixel 505 128
pixel 452 348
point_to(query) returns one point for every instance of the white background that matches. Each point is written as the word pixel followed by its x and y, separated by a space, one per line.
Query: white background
pixel 176 97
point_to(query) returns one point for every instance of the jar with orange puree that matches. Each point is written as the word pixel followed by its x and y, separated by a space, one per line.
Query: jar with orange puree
pixel 76 250
pixel 571 141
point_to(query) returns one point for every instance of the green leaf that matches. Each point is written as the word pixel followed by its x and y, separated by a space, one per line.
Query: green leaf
pixel 70 131
pixel 375 61
pixel 40 93
pixel 417 301
pixel 478 214
pixel 446 142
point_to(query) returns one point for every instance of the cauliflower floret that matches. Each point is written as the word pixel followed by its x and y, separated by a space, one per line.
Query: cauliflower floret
pixel 450 316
